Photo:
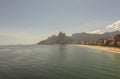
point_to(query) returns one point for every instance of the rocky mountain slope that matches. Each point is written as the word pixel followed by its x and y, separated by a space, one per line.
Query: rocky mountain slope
pixel 61 38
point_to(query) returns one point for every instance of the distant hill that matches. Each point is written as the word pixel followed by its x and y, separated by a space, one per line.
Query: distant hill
pixel 93 37
pixel 77 37
pixel 85 36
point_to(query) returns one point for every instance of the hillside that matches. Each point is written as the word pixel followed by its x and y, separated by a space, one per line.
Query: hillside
pixel 61 38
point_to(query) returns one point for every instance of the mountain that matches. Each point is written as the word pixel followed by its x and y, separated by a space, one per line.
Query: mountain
pixel 85 36
pixel 110 34
pixel 94 37
pixel 61 38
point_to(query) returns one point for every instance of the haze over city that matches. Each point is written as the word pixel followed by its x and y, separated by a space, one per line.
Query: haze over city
pixel 29 21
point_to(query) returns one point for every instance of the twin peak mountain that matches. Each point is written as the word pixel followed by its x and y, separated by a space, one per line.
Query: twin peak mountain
pixel 61 38
pixel 76 38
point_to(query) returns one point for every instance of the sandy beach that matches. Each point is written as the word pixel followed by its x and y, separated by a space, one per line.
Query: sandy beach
pixel 111 49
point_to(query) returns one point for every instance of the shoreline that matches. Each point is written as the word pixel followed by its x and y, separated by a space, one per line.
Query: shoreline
pixel 110 49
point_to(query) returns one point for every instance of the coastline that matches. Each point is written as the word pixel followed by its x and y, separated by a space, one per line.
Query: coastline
pixel 110 49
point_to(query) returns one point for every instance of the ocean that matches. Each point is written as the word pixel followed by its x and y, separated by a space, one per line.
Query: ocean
pixel 57 62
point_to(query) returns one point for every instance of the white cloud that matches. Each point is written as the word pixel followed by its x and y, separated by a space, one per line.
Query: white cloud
pixel 114 26
pixel 96 32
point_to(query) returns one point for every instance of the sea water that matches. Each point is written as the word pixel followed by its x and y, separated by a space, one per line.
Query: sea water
pixel 57 62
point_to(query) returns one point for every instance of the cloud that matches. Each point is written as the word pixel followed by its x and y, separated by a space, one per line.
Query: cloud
pixel 96 32
pixel 114 26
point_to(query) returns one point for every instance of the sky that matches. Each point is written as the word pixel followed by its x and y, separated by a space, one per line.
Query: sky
pixel 29 21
